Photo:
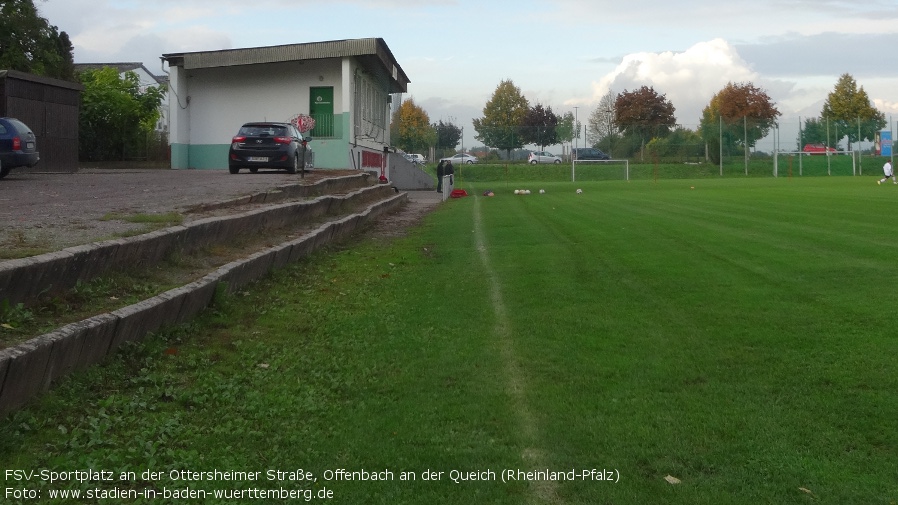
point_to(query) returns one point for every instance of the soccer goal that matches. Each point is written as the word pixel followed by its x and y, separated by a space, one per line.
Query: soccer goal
pixel 600 170
pixel 797 163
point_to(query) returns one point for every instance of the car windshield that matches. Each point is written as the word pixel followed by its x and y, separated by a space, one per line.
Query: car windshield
pixel 263 131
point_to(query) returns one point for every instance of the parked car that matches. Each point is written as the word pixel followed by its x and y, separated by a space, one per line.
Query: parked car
pixel 818 149
pixel 461 158
pixel 543 157
pixel 418 158
pixel 269 145
pixel 18 146
pixel 589 153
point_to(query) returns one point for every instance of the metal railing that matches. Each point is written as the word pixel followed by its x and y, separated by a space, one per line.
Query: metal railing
pixel 324 126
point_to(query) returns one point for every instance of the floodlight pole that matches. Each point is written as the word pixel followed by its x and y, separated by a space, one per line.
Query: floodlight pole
pixel 776 146
pixel 801 140
pixel 463 162
pixel 720 141
pixel 576 141
pixel 860 160
pixel 745 135
pixel 826 147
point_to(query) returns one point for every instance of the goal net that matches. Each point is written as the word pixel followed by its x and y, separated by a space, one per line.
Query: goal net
pixel 600 170
pixel 797 163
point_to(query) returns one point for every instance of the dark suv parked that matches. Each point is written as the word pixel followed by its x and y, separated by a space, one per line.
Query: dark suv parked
pixel 269 145
pixel 589 153
pixel 18 147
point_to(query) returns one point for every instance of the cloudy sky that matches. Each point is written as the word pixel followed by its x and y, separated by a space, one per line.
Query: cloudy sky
pixel 561 53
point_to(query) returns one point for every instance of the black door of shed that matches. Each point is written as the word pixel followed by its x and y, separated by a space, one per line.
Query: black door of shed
pixel 50 107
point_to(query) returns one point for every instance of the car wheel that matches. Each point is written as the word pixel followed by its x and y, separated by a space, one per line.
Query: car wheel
pixel 557 162
pixel 469 162
pixel 234 170
pixel 3 171
pixel 295 165
pixel 533 162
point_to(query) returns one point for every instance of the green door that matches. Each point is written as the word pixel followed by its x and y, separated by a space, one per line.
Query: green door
pixel 321 108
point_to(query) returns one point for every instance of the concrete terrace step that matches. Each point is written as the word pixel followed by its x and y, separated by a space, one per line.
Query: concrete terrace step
pixel 29 368
pixel 24 280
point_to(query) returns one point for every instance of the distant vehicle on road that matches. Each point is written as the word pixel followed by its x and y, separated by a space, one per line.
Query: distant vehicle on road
pixel 461 158
pixel 589 153
pixel 818 149
pixel 543 157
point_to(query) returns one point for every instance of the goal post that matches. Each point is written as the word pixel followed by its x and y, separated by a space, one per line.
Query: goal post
pixel 600 170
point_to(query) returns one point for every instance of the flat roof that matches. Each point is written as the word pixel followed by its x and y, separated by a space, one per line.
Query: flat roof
pixel 372 53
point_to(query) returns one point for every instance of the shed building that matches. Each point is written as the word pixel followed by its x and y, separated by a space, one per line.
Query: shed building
pixel 345 85
pixel 50 107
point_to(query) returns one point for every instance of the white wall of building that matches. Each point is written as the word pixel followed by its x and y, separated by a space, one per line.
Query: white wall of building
pixel 208 105
pixel 222 99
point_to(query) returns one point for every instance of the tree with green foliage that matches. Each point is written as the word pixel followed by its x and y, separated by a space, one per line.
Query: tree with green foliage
pixel 540 126
pixel 117 114
pixel 680 144
pixel 29 43
pixel 448 135
pixel 568 128
pixel 410 128
pixel 503 116
pixel 815 131
pixel 740 114
pixel 849 108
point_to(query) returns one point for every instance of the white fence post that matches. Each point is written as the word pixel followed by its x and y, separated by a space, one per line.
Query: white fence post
pixel 447 186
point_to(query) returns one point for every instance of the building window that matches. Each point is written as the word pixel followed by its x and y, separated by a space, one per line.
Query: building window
pixel 370 110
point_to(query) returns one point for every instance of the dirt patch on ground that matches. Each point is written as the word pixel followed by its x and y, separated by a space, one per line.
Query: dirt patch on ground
pixel 397 224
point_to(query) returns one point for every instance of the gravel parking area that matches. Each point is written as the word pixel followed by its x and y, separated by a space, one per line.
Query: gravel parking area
pixel 59 210
pixel 54 211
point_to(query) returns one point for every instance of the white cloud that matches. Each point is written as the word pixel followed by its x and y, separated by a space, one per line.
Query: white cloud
pixel 885 106
pixel 200 38
pixel 688 79
pixel 706 19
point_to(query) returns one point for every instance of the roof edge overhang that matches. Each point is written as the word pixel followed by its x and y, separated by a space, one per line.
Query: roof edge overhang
pixel 371 51
pixel 50 81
